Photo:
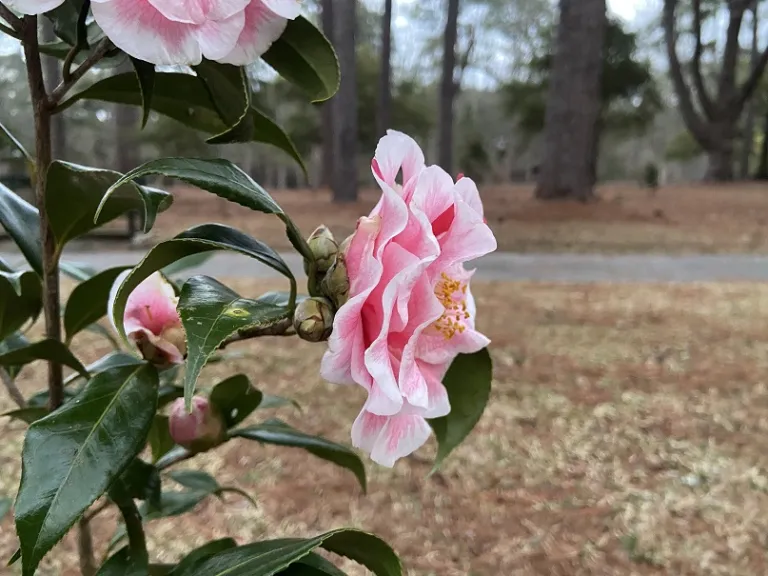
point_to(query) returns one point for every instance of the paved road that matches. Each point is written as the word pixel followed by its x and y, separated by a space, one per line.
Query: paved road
pixel 515 267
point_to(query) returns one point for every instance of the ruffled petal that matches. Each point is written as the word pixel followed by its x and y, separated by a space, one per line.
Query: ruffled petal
pixel 394 152
pixel 33 6
pixel 289 9
pixel 217 37
pixel 400 436
pixel 262 27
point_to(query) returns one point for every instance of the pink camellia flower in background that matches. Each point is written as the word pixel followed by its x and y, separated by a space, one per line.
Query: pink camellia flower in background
pixel 33 6
pixel 198 430
pixel 151 320
pixel 410 311
pixel 182 32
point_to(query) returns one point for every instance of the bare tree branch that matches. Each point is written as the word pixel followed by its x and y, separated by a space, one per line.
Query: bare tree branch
pixel 693 121
pixel 704 98
pixel 727 84
pixel 13 390
pixel 11 18
pixel 749 87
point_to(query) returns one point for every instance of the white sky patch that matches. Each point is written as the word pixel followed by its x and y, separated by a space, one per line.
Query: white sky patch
pixel 626 9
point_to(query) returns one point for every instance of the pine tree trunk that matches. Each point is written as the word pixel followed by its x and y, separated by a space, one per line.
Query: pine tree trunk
pixel 721 157
pixel 345 104
pixel 751 116
pixel 384 115
pixel 326 172
pixel 573 103
pixel 448 88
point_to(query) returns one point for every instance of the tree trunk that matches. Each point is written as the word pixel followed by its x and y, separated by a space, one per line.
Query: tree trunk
pixel 751 117
pixel 326 172
pixel 345 104
pixel 384 115
pixel 721 155
pixel 448 88
pixel 52 69
pixel 573 103
pixel 762 171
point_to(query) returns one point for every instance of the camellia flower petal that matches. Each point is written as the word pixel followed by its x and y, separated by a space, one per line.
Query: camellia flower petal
pixel 151 320
pixel 33 6
pixel 199 430
pixel 410 310
pixel 182 32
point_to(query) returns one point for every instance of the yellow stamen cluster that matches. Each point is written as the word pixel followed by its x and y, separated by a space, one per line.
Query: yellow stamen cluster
pixel 452 295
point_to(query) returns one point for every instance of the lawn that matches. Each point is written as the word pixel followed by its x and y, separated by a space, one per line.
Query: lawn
pixel 626 435
pixel 628 219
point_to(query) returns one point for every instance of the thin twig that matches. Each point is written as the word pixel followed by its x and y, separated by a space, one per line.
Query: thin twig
pixel 85 549
pixel 13 390
pixel 282 328
pixel 99 52
pixel 9 31
pixel 13 20
pixel 81 42
pixel 134 527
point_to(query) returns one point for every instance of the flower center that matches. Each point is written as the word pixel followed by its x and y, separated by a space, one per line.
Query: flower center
pixel 452 294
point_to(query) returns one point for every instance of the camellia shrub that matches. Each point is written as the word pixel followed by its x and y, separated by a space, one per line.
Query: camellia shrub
pixel 391 303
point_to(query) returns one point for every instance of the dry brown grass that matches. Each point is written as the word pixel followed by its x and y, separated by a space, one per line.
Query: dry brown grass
pixel 677 219
pixel 626 435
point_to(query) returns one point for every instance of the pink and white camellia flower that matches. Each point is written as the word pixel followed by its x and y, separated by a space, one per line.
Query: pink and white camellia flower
pixel 410 311
pixel 151 320
pixel 182 32
pixel 198 430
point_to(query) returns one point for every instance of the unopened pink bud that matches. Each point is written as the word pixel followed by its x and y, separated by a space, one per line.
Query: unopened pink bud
pixel 199 430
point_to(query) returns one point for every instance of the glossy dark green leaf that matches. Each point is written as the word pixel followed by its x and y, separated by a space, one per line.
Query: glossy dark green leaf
pixel 41 398
pixel 145 74
pixel 269 401
pixel 64 19
pixel 272 556
pixel 5 507
pixel 185 264
pixel 468 382
pixel 88 302
pixel 305 57
pixel 210 313
pixel 22 222
pixel 94 33
pixel 175 503
pixel 77 202
pixel 169 393
pixel 279 433
pixel 123 563
pixel 77 271
pixel 20 300
pixel 197 555
pixel 312 565
pixel 196 480
pixel 235 398
pixel 16 144
pixel 175 454
pixel 13 342
pixel 160 441
pixel 111 360
pixel 15 558
pixel 161 569
pixel 230 90
pixel 43 350
pixel 141 480
pixel 71 456
pixel 29 414
pixel 180 97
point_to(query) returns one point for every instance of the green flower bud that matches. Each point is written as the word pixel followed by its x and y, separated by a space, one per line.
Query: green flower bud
pixel 335 284
pixel 313 319
pixel 324 247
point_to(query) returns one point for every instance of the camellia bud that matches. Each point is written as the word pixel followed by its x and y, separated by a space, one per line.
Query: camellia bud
pixel 199 430
pixel 324 247
pixel 335 284
pixel 313 319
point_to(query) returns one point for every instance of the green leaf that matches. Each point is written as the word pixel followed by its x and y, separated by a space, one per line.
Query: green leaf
pixel 185 264
pixel 5 507
pixel 111 360
pixel 468 382
pixel 71 456
pixel 51 350
pixel 312 565
pixel 89 300
pixel 18 145
pixel 20 300
pixel 235 398
pixel 197 555
pixel 30 414
pixel 141 480
pixel 179 96
pixel 160 440
pixel 78 271
pixel 230 91
pixel 175 503
pixel 22 222
pixel 279 433
pixel 77 202
pixel 196 480
pixel 169 393
pixel 15 558
pixel 145 74
pixel 64 19
pixel 210 313
pixel 41 398
pixel 272 556
pixel 13 342
pixel 304 56
pixel 122 563
pixel 175 454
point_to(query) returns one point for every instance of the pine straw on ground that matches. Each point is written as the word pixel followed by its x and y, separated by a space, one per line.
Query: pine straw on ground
pixel 628 219
pixel 626 435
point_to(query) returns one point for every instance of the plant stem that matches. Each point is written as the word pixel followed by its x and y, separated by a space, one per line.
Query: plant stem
pixel 135 529
pixel 42 116
pixel 61 90
pixel 11 18
pixel 85 549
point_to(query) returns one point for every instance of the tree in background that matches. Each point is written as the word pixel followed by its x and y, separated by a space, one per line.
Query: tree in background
pixel 448 88
pixel 326 178
pixel 573 103
pixel 629 98
pixel 384 111
pixel 750 118
pixel 711 110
